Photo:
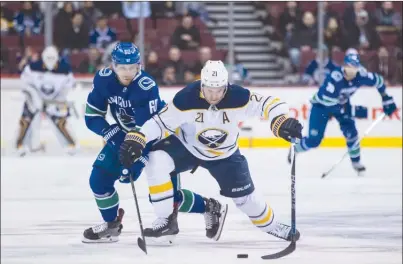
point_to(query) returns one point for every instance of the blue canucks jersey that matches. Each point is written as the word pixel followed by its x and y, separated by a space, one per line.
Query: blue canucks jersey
pixel 131 106
pixel 312 71
pixel 336 90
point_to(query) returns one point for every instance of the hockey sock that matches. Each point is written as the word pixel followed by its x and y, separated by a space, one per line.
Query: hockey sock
pixel 190 202
pixel 354 151
pixel 108 205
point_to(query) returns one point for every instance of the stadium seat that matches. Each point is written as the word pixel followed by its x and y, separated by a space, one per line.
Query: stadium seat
pixel 12 41
pixel 388 39
pixel 118 24
pixel 306 58
pixel 37 41
pixel 76 59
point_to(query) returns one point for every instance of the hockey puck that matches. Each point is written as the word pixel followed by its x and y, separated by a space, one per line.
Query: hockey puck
pixel 242 256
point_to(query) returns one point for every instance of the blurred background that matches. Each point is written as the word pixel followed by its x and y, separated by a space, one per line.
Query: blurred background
pixel 263 43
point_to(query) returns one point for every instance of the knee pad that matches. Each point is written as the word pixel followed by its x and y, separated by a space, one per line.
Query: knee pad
pixel 258 211
pixel 101 182
pixel 314 138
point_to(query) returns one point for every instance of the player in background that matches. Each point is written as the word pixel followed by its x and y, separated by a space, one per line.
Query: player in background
pixel 46 85
pixel 133 98
pixel 207 113
pixel 333 100
pixel 311 74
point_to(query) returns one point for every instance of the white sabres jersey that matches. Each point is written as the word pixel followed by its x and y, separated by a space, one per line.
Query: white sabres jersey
pixel 211 132
pixel 49 85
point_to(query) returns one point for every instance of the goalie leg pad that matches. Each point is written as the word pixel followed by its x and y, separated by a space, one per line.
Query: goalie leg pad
pixel 62 132
pixel 27 121
pixel 258 211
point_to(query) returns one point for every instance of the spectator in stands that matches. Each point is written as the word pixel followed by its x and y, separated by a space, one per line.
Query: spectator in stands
pixel 4 57
pixel 102 35
pixel 386 15
pixel 204 56
pixel 351 12
pixel 194 9
pixel 328 13
pixel 361 35
pixel 153 67
pixel 63 22
pixel 90 13
pixel 333 35
pixel 311 75
pixel 111 9
pixel 92 63
pixel 303 39
pixel 29 56
pixel 160 9
pixel 131 10
pixel 169 76
pixel 187 35
pixel 28 21
pixel 77 35
pixel 189 76
pixel 6 19
pixel 290 20
pixel 176 62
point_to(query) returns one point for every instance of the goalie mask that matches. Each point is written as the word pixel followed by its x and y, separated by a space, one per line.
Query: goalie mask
pixel 214 81
pixel 50 57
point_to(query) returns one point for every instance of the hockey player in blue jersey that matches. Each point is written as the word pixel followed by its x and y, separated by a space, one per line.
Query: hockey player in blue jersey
pixel 311 74
pixel 133 98
pixel 333 100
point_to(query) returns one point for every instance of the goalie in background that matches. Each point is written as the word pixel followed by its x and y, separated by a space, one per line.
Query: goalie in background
pixel 46 84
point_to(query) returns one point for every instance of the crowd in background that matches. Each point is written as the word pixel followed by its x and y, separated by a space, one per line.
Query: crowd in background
pixel 84 26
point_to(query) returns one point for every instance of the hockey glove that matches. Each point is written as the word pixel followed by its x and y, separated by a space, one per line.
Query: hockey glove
pixel 356 111
pixel 286 128
pixel 114 136
pixel 135 170
pixel 389 106
pixel 131 148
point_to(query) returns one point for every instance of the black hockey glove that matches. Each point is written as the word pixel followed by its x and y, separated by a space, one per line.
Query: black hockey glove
pixel 131 148
pixel 286 128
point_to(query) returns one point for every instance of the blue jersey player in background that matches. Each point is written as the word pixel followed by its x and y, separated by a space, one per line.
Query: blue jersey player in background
pixel 333 100
pixel 133 98
pixel 311 74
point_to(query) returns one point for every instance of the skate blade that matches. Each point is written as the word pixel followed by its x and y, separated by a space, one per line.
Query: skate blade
pixel 161 241
pixel 223 212
pixel 112 239
pixel 361 173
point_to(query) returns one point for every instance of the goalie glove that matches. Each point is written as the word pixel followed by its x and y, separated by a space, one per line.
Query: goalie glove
pixel 131 148
pixel 286 128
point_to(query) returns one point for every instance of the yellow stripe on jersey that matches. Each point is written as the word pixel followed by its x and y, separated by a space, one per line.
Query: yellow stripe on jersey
pixel 266 110
pixel 215 152
pixel 265 219
pixel 161 188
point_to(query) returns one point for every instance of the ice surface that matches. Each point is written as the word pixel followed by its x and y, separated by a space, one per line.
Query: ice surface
pixel 46 204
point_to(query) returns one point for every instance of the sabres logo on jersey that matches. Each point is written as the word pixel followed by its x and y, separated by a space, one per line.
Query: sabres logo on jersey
pixel 212 137
pixel 125 119
pixel 47 88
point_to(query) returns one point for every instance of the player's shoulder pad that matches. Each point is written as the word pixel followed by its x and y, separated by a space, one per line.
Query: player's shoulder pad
pixel 235 97
pixel 63 67
pixel 189 98
pixel 145 82
pixel 102 78
pixel 37 66
pixel 336 75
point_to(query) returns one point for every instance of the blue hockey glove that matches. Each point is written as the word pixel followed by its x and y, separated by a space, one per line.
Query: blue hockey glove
pixel 389 106
pixel 356 111
pixel 135 170
pixel 114 136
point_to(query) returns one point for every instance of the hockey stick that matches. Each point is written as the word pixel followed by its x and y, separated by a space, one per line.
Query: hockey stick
pixel 293 245
pixel 141 242
pixel 376 122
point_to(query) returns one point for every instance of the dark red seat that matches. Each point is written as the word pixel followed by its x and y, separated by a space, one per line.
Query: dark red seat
pixel 37 41
pixel 338 57
pixel 118 24
pixel 11 41
pixel 306 58
pixel 388 39
pixel 76 59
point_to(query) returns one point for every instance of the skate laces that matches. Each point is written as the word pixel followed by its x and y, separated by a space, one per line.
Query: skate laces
pixel 100 228
pixel 159 223
pixel 211 216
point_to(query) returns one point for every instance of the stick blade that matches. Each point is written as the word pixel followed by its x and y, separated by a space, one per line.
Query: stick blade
pixel 142 244
pixel 288 250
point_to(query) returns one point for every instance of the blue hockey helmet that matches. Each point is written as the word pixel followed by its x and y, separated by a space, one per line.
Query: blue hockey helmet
pixel 125 53
pixel 352 60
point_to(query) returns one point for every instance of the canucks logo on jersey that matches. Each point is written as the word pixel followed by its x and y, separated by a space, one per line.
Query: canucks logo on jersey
pixel 126 120
pixel 212 137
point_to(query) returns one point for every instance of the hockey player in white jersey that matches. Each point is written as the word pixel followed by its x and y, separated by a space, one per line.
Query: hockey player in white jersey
pixel 46 84
pixel 206 114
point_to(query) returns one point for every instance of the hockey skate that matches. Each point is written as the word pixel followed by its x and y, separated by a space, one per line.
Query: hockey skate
pixel 359 168
pixel 165 228
pixel 106 232
pixel 214 218
pixel 283 231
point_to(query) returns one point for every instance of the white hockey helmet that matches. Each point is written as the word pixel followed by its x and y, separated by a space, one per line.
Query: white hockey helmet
pixel 214 75
pixel 50 57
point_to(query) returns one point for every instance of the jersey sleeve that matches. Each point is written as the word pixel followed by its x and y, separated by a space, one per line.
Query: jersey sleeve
pixel 96 107
pixel 266 107
pixel 372 79
pixel 168 119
